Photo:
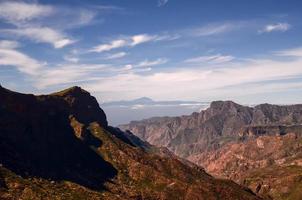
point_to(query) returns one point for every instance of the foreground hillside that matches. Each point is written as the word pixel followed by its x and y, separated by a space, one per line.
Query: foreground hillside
pixel 59 146
pixel 260 147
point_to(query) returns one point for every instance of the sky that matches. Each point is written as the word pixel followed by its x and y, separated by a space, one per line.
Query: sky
pixel 201 50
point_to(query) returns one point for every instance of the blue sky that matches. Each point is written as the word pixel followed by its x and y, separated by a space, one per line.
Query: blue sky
pixel 247 51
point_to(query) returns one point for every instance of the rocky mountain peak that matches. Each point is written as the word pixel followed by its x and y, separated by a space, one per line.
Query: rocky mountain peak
pixel 144 99
pixel 72 91
pixel 84 106
pixel 223 105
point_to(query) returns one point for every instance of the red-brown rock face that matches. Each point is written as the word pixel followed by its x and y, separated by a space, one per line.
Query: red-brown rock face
pixel 236 142
pixel 269 165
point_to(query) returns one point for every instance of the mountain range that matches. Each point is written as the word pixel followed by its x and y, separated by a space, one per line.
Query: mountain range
pixel 259 147
pixel 60 146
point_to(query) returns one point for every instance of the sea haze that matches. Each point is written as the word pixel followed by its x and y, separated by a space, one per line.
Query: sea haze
pixel 122 112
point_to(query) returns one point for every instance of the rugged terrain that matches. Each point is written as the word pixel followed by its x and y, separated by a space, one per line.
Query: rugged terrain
pixel 59 146
pixel 259 146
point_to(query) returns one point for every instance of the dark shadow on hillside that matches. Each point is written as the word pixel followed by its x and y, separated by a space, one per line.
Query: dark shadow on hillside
pixel 120 135
pixel 129 138
pixel 2 181
pixel 39 142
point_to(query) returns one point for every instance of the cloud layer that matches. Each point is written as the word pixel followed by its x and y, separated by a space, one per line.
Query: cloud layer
pixel 198 82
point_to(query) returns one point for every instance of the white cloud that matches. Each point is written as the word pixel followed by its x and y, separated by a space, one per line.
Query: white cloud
pixel 9 56
pixel 40 73
pixel 64 74
pixel 212 29
pixel 17 12
pixel 72 59
pixel 143 66
pixel 8 44
pixel 161 3
pixel 107 47
pixel 139 39
pixel 108 8
pixel 61 43
pixel 257 88
pixel 42 34
pixel 131 41
pixel 43 23
pixel 127 67
pixel 213 59
pixel 167 37
pixel 74 73
pixel 85 17
pixel 116 55
pixel 148 63
pixel 72 17
pixel 281 27
pixel 296 52
pixel 23 14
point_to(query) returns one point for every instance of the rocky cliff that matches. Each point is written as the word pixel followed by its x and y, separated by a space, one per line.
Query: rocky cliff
pixel 59 146
pixel 222 122
pixel 237 142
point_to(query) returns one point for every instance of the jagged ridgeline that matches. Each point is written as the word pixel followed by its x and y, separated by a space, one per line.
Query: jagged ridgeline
pixel 59 146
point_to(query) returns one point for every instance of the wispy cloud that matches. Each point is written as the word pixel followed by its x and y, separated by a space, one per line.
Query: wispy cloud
pixel 42 74
pixel 70 73
pixel 83 17
pixel 116 55
pixel 17 12
pixel 35 22
pixel 71 58
pixel 107 8
pixel 281 27
pixel 212 29
pixel 145 65
pixel 139 39
pixel 41 35
pixel 192 82
pixel 71 17
pixel 10 56
pixel 151 63
pixel 296 52
pixel 161 3
pixel 112 45
pixel 212 59
pixel 131 41
pixel 8 44
pixel 175 83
